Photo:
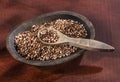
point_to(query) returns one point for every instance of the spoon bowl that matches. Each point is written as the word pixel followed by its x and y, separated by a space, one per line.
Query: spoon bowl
pixel 61 37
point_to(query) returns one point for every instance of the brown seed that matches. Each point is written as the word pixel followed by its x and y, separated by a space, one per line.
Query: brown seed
pixel 28 45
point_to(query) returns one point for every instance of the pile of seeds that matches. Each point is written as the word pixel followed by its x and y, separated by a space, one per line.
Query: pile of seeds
pixel 28 45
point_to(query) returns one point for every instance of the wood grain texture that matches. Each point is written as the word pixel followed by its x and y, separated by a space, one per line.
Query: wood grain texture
pixel 91 67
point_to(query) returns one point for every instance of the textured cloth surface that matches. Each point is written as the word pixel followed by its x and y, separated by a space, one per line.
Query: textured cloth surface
pixel 91 67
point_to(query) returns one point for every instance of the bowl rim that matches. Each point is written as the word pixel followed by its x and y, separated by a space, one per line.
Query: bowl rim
pixel 50 62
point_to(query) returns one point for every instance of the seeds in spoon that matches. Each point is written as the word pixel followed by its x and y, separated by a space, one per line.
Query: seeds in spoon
pixel 49 36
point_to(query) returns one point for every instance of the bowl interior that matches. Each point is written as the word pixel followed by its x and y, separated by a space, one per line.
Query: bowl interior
pixel 40 20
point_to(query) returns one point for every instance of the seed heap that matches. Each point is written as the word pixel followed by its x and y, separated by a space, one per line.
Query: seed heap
pixel 28 45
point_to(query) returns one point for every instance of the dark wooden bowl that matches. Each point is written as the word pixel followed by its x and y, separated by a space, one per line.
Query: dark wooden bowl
pixel 40 20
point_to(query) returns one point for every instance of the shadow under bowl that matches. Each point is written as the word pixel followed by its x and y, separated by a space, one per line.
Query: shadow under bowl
pixel 40 20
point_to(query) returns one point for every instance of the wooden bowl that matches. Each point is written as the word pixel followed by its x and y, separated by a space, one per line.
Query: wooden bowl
pixel 40 20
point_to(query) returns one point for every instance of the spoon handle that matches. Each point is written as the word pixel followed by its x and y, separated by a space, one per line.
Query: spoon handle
pixel 90 44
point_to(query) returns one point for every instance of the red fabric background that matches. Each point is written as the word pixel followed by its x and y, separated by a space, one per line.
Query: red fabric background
pixel 92 67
